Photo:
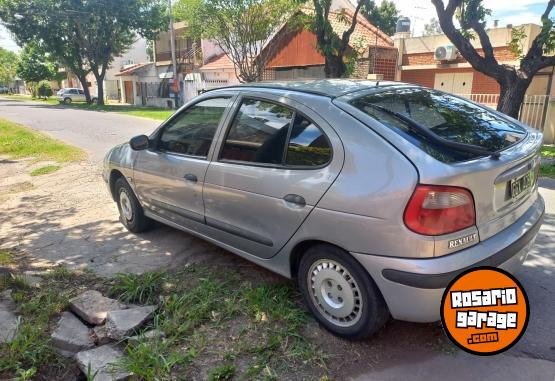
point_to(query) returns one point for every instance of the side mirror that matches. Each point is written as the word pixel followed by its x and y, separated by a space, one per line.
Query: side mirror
pixel 139 143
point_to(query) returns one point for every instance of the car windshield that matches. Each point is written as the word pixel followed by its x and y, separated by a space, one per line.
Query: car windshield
pixel 448 117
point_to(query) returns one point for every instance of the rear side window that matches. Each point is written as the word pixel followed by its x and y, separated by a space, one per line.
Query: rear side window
pixel 270 133
pixel 308 146
pixel 258 133
pixel 449 117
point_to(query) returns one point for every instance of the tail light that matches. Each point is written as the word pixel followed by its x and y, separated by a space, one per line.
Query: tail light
pixel 437 209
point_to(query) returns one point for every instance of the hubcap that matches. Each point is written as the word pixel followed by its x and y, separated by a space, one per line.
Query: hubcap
pixel 125 204
pixel 335 292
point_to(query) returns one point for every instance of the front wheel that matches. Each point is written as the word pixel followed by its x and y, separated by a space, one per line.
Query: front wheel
pixel 130 210
pixel 340 293
pixel 67 101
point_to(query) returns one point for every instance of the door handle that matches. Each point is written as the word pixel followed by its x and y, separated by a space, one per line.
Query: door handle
pixel 295 199
pixel 191 177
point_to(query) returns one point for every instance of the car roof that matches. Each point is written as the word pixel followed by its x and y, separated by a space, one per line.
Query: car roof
pixel 327 87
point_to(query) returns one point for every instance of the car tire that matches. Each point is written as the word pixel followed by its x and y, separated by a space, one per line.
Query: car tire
pixel 340 293
pixel 93 100
pixel 130 210
pixel 67 101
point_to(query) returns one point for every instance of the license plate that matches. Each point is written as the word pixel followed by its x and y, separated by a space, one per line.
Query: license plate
pixel 521 184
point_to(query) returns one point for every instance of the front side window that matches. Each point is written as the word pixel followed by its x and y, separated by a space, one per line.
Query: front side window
pixel 449 117
pixel 192 132
pixel 81 92
pixel 258 133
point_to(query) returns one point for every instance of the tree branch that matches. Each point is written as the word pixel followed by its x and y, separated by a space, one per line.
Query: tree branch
pixel 486 65
pixel 347 34
pixel 535 54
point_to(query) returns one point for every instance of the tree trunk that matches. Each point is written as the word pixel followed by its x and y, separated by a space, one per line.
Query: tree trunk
pixel 99 85
pixel 512 95
pixel 334 67
pixel 83 80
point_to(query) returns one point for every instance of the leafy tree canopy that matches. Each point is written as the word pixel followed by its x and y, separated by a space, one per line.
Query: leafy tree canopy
pixel 34 65
pixel 242 28
pixel 383 16
pixel 84 35
pixel 8 65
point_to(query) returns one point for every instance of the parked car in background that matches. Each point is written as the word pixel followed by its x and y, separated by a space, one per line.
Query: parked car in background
pixel 4 89
pixel 373 195
pixel 69 95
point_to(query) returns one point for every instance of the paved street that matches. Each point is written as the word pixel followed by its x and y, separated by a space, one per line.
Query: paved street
pixel 69 218
pixel 95 132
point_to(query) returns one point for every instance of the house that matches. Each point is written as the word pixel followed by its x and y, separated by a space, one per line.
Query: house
pixel 137 53
pixel 418 63
pixel 142 86
pixel 294 54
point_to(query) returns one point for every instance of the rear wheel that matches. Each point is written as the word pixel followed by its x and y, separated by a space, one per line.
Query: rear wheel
pixel 130 210
pixel 340 293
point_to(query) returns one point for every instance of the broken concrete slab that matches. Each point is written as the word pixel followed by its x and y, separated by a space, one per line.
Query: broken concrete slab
pixel 123 323
pixel 71 335
pixel 102 361
pixel 93 307
pixel 101 335
pixel 8 318
pixel 8 325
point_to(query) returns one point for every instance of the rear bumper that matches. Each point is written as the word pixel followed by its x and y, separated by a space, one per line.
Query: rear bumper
pixel 412 288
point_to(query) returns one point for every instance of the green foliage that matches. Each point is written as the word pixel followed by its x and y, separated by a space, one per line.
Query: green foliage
pixel 516 45
pixel 84 36
pixel 547 170
pixel 8 66
pixel 44 89
pixel 33 65
pixel 221 373
pixel 242 28
pixel 432 28
pixel 45 170
pixel 547 36
pixel 383 16
pixel 17 141
pixel 548 151
pixel 143 289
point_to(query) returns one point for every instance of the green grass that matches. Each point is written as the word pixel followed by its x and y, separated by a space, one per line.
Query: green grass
pixel 6 258
pixel 143 112
pixel 548 151
pixel 216 325
pixel 17 141
pixel 547 170
pixel 132 288
pixel 45 170
pixel 222 372
pixel 155 113
pixel 28 98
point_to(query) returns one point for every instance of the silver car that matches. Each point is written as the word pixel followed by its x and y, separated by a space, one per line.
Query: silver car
pixel 69 95
pixel 373 195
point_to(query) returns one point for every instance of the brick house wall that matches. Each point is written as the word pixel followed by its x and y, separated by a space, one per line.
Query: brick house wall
pixel 481 84
pixel 501 53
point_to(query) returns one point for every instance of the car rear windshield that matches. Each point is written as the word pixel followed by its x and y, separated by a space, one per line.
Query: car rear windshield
pixel 448 117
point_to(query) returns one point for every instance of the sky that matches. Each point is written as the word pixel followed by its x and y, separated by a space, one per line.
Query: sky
pixel 420 12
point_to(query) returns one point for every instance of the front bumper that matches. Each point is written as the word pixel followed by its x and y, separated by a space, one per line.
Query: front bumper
pixel 413 288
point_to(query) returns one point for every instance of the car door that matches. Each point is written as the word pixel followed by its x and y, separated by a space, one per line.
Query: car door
pixel 272 164
pixel 81 96
pixel 169 176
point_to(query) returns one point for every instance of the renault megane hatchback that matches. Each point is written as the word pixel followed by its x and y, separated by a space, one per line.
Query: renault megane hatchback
pixel 373 195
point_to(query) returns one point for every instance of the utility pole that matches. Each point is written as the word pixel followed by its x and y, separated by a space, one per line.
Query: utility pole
pixel 174 60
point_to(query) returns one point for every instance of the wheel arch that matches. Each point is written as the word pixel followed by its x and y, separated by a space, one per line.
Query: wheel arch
pixel 114 176
pixel 300 248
